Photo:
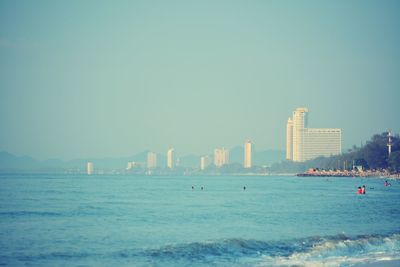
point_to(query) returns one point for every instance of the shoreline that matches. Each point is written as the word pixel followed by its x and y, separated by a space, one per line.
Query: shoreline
pixel 350 174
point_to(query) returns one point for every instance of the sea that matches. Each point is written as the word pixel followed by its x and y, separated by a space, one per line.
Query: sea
pixel 122 220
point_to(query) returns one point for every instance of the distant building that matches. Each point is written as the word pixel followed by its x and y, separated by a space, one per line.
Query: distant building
pixel 130 165
pixel 204 162
pixel 151 160
pixel 134 165
pixel 221 157
pixel 289 139
pixel 300 122
pixel 321 142
pixel 248 152
pixel 90 168
pixel 304 143
pixel 170 158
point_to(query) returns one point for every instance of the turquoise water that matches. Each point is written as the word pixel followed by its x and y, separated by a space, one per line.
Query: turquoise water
pixel 56 220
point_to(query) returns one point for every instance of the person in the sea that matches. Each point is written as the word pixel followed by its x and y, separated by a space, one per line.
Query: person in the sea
pixel 202 188
pixel 387 183
pixel 359 191
pixel 192 187
pixel 244 188
pixel 363 190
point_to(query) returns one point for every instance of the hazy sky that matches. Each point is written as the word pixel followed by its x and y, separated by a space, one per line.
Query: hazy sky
pixel 113 78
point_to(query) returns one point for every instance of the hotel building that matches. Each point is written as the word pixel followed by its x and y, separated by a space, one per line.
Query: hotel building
pixel 151 160
pixel 221 157
pixel 303 143
pixel 171 158
pixel 89 168
pixel 204 162
pixel 248 150
pixel 289 139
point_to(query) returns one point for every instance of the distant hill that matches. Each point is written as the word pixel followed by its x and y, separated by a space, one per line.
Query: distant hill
pixel 268 157
pixel 10 161
pixel 191 161
pixel 236 155
pixel 260 158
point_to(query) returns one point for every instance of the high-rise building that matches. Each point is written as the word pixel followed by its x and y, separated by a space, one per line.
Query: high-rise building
pixel 321 142
pixel 151 160
pixel 89 168
pixel 300 122
pixel 304 143
pixel 248 152
pixel 289 139
pixel 129 166
pixel 170 158
pixel 204 162
pixel 221 157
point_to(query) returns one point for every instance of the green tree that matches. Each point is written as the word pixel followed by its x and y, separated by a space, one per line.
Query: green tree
pixel 375 152
pixel 394 161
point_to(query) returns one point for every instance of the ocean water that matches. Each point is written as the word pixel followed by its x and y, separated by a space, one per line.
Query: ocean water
pixel 65 220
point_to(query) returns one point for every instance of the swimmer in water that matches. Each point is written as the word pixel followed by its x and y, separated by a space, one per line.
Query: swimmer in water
pixel 363 190
pixel 359 191
pixel 244 188
pixel 202 188
pixel 192 187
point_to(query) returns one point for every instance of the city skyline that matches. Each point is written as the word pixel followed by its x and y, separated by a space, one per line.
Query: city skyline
pixel 172 157
pixel 83 80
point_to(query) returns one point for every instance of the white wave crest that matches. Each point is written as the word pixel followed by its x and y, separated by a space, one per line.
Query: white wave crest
pixel 343 252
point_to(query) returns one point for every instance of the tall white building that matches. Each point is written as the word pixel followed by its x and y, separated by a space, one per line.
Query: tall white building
pixel 89 168
pixel 300 121
pixel 221 157
pixel 129 166
pixel 170 158
pixel 248 152
pixel 204 162
pixel 289 139
pixel 151 160
pixel 304 143
pixel 321 142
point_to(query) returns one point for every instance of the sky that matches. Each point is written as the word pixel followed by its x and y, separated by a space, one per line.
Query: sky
pixel 114 78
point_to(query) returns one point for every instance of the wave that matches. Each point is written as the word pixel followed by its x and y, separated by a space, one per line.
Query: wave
pixel 338 250
pixel 28 213
pixel 84 210
pixel 234 247
pixel 342 251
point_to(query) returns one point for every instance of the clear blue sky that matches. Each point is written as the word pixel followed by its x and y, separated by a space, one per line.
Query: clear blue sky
pixel 113 78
